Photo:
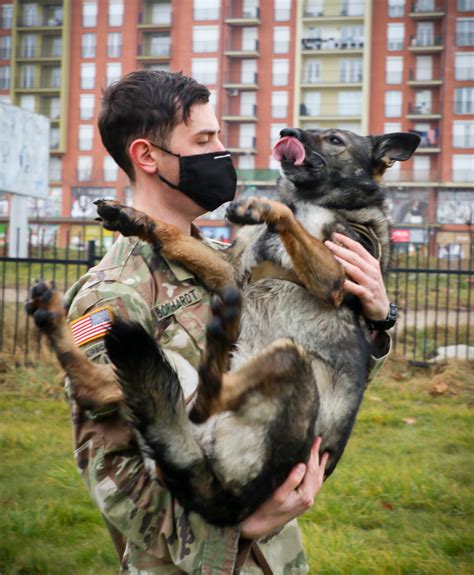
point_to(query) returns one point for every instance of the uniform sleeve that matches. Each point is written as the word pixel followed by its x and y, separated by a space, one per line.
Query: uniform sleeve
pixel 382 346
pixel 139 511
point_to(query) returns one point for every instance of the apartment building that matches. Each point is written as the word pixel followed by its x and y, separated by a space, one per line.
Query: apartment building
pixel 370 66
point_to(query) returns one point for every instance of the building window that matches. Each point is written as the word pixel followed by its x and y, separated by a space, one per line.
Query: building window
pixel 159 45
pixel 28 46
pixel 86 137
pixel 87 76
pixel 88 45
pixel 250 39
pixel 248 72
pixel 5 47
pixel 275 130
pixel 89 14
pixel 349 103
pixel 110 169
pixel 281 40
pixel 27 76
pixel 312 71
pixel 247 136
pixel 4 77
pixel 53 108
pixel 350 70
pixel 6 17
pixel 161 14
pixel 464 101
pixel 465 32
pixel 280 72
pixel 421 168
pixel 282 10
pixel 463 170
pixel 54 136
pixel 28 102
pixel 246 162
pixel 248 104
pixel 311 104
pixel 55 169
pixel 464 67
pixel 424 34
pixel 84 168
pixel 279 104
pixel 86 106
pixel 115 12
pixel 396 8
pixel 394 70
pixel 392 127
pixel 393 104
pixel 213 99
pixel 466 5
pixel 205 38
pixel 114 44
pixel 205 70
pixel 352 8
pixel 424 68
pixel 395 36
pixel 463 134
pixel 114 72
pixel 206 9
pixel 30 15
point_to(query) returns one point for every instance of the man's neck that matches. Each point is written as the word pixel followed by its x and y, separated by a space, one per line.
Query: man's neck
pixel 153 203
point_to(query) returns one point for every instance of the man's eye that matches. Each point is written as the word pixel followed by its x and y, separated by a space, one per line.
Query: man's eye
pixel 336 141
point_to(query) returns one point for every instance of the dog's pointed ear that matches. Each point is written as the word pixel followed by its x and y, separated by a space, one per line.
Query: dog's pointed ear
pixel 391 148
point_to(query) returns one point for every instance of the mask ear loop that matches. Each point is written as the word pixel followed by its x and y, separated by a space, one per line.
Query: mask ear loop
pixel 167 182
pixel 164 149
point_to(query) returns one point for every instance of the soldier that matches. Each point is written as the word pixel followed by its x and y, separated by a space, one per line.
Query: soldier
pixel 160 129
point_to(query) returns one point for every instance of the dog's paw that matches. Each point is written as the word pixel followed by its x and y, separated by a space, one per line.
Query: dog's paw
pixel 45 305
pixel 117 217
pixel 224 325
pixel 249 211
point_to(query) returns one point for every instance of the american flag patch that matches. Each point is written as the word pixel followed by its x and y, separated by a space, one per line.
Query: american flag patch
pixel 92 325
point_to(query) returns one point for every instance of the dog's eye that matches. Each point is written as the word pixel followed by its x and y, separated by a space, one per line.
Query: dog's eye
pixel 336 141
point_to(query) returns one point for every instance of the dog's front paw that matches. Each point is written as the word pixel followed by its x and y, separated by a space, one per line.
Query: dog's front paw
pixel 224 325
pixel 117 217
pixel 45 305
pixel 249 211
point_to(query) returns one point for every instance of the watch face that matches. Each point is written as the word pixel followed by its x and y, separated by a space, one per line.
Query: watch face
pixel 392 314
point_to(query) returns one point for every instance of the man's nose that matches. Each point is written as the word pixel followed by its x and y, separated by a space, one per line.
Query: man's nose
pixel 294 132
pixel 219 146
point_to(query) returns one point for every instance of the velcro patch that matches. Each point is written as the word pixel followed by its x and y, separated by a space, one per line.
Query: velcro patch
pixel 92 325
pixel 169 307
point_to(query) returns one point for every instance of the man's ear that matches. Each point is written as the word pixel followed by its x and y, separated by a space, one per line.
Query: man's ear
pixel 390 148
pixel 141 156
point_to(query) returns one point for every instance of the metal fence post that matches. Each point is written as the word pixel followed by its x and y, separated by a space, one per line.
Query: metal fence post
pixel 91 253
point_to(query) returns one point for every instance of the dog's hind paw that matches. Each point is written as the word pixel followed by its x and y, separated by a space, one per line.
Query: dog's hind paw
pixel 224 325
pixel 45 305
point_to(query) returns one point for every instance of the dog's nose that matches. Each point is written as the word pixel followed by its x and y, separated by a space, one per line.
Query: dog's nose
pixel 294 132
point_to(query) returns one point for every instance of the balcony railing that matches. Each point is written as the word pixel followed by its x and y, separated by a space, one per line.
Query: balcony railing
pixel 321 111
pixel 46 51
pixel 332 44
pixel 148 20
pixel 154 51
pixel 250 46
pixel 240 13
pixel 244 143
pixel 206 77
pixel 39 83
pixel 244 111
pixel 250 78
pixel 422 6
pixel 421 110
pixel 425 42
pixel 279 111
pixel 356 10
pixel 51 20
pixel 411 175
pixel 205 46
pixel 429 138
pixel 421 75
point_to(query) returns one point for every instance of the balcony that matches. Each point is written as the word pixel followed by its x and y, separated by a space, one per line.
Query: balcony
pixel 245 146
pixel 237 16
pixel 332 12
pixel 248 81
pixel 38 84
pixel 333 45
pixel 157 53
pixel 426 45
pixel 429 141
pixel 423 10
pixel 326 113
pixel 50 18
pixel 354 80
pixel 47 52
pixel 422 112
pixel 147 20
pixel 418 79
pixel 249 50
pixel 246 113
pixel 411 175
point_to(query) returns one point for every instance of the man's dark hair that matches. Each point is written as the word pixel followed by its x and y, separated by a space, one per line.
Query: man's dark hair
pixel 146 104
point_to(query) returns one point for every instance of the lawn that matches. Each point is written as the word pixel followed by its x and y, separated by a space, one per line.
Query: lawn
pixel 400 501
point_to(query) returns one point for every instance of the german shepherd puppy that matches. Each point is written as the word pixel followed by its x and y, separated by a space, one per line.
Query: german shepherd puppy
pixel 284 364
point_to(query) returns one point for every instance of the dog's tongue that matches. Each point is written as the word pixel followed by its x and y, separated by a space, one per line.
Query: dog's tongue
pixel 289 149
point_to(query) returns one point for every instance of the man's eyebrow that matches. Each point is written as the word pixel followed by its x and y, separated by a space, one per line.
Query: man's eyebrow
pixel 207 132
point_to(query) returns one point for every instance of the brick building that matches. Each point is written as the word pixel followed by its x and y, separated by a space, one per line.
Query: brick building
pixel 370 66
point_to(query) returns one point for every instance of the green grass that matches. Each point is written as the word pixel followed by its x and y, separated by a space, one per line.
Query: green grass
pixel 400 502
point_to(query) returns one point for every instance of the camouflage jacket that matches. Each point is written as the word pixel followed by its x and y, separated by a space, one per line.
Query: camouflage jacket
pixel 151 531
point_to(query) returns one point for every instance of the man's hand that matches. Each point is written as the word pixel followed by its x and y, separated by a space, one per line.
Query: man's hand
pixel 366 281
pixel 291 499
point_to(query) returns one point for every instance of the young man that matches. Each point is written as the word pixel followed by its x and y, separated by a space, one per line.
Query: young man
pixel 152 123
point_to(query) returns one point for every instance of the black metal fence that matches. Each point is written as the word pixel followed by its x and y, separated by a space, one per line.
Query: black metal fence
pixel 433 293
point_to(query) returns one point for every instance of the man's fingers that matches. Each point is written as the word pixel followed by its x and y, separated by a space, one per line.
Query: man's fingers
pixel 356 247
pixel 291 483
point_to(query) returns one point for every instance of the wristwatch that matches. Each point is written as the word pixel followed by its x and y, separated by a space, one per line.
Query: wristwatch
pixel 387 323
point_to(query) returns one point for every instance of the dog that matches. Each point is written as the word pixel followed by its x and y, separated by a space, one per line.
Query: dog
pixel 284 363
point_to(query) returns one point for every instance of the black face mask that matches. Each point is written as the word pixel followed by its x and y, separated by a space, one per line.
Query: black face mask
pixel 209 180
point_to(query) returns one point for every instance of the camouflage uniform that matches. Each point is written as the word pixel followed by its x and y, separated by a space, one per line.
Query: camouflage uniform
pixel 151 531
